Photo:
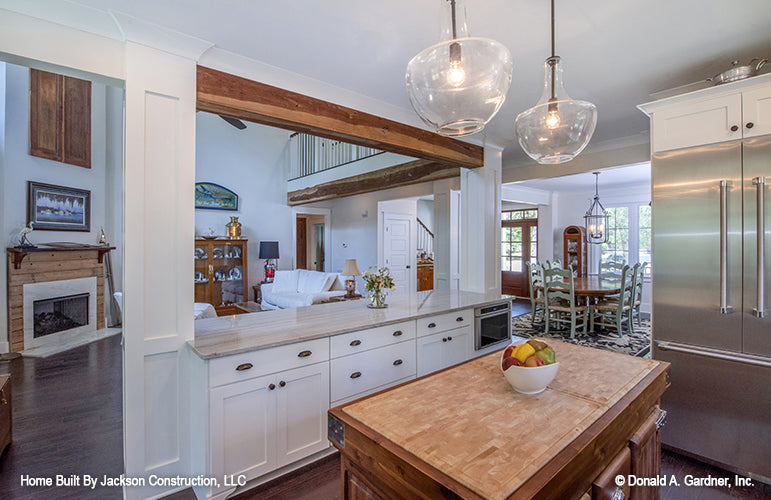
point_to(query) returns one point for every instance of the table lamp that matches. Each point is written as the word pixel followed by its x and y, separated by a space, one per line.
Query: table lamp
pixel 350 269
pixel 269 252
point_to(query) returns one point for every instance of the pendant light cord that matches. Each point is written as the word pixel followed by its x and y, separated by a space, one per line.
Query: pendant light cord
pixel 553 51
pixel 454 31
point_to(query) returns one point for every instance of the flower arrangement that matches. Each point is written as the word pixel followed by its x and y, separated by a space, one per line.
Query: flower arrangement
pixel 378 283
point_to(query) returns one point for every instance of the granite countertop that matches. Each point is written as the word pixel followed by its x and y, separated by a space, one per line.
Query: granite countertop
pixel 228 335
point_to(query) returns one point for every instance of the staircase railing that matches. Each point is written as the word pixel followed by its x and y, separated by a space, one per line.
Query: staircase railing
pixel 425 239
pixel 310 154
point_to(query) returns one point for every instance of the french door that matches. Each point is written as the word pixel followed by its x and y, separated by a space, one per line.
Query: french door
pixel 519 244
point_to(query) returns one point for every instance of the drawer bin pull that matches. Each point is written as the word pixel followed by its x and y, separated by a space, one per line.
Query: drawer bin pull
pixel 449 338
pixel 304 354
pixel 271 387
pixel 432 325
pixel 281 384
pixel 397 333
pixel 355 374
pixel 459 319
pixel 444 339
pixel 244 366
pixel 398 362
pixel 355 343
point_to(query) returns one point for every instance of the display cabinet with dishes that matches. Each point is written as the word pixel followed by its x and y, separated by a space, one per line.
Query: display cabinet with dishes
pixel 221 276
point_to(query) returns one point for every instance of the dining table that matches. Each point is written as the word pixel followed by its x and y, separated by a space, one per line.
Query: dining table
pixel 591 288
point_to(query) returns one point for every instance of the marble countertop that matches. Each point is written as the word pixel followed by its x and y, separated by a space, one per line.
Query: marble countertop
pixel 228 335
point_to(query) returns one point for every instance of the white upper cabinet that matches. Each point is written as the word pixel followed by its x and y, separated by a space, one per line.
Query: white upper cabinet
pixel 731 111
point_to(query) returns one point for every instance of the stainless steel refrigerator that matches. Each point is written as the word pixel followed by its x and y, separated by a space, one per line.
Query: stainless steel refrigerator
pixel 711 255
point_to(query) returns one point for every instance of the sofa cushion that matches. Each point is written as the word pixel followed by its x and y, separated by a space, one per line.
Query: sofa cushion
pixel 285 300
pixel 312 281
pixel 285 281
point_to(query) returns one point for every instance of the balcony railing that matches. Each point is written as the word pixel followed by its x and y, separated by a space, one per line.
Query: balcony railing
pixel 310 154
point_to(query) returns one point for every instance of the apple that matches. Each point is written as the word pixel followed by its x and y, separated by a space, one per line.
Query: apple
pixel 534 361
pixel 508 362
pixel 508 351
pixel 546 354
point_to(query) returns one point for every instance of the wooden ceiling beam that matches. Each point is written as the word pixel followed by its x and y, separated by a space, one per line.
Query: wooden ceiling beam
pixel 229 95
pixel 413 172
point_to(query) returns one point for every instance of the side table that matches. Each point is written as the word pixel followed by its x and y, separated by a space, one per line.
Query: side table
pixel 258 291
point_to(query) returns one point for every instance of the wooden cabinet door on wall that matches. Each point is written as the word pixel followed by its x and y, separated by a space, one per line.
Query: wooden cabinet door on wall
pixel 60 118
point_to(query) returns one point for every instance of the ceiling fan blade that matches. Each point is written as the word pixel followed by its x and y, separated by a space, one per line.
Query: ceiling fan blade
pixel 234 121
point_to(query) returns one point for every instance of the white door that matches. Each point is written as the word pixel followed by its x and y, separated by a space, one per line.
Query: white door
pixel 398 252
pixel 430 353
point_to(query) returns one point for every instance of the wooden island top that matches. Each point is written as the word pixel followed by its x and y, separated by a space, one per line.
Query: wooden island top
pixel 464 432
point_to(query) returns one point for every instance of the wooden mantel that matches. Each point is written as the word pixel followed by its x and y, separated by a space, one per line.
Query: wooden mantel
pixel 50 263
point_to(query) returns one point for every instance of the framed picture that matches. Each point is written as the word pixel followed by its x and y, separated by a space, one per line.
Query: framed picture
pixel 58 208
pixel 215 197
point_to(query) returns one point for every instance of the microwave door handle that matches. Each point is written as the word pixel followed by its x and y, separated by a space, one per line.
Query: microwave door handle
pixel 724 307
pixel 760 183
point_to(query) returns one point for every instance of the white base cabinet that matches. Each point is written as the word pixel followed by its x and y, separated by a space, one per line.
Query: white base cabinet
pixel 265 423
pixel 444 341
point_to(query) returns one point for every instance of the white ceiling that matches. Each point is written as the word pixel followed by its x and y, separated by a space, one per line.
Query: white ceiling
pixel 615 53
pixel 619 177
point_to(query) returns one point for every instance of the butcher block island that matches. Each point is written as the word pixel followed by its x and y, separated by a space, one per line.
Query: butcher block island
pixel 465 433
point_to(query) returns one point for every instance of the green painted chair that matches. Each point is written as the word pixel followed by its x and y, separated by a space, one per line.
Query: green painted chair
pixel 535 278
pixel 638 294
pixel 614 311
pixel 555 264
pixel 611 270
pixel 560 300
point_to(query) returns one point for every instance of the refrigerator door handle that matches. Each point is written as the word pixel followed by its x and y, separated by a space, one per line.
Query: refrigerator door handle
pixel 714 353
pixel 760 184
pixel 724 307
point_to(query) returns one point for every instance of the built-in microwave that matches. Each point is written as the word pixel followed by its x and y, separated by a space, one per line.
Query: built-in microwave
pixel 492 325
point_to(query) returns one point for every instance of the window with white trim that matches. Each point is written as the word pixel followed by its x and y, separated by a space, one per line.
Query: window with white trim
pixel 629 235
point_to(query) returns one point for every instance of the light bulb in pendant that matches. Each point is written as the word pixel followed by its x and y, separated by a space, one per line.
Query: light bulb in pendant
pixel 456 75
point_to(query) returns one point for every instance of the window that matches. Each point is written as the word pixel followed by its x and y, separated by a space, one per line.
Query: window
pixel 519 238
pixel 629 235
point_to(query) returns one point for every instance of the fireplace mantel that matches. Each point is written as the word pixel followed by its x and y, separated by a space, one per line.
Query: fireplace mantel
pixel 65 261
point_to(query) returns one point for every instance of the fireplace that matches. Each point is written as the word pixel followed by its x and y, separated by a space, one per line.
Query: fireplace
pixel 58 314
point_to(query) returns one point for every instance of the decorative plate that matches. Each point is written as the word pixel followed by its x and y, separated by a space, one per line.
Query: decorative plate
pixel 218 253
pixel 235 273
pixel 200 253
pixel 199 278
pixel 220 275
pixel 235 252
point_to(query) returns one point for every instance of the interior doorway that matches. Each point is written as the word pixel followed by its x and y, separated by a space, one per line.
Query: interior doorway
pixel 519 244
pixel 311 235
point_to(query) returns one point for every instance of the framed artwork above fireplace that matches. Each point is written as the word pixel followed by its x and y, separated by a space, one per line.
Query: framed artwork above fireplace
pixel 58 208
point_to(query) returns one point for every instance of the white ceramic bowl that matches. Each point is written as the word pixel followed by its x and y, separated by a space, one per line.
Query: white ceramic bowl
pixel 527 380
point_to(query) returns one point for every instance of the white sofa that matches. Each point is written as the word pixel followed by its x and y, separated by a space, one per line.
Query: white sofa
pixel 300 287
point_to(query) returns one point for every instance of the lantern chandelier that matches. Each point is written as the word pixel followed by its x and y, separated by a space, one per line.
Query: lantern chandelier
pixel 596 218
pixel 459 84
pixel 557 128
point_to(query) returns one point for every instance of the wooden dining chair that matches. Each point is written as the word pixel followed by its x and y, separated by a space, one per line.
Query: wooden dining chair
pixel 560 300
pixel 638 294
pixel 535 279
pixel 611 270
pixel 614 311
pixel 555 264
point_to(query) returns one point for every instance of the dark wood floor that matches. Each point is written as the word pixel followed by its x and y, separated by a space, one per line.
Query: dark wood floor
pixel 67 419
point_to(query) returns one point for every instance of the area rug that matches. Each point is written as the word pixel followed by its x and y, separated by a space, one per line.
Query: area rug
pixel 634 344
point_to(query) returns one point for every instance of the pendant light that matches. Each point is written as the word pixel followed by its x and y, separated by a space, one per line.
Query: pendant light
pixel 596 218
pixel 459 84
pixel 557 128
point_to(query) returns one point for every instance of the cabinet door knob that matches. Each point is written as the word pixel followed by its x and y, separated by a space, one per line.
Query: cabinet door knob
pixel 304 354
pixel 397 333
pixel 432 325
pixel 355 342
pixel 282 384
pixel 355 374
pixel 449 338
pixel 459 319
pixel 734 128
pixel 444 339
pixel 271 387
pixel 750 125
pixel 398 362
pixel 244 366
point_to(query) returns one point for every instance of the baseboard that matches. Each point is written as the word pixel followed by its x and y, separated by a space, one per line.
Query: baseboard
pixel 5 347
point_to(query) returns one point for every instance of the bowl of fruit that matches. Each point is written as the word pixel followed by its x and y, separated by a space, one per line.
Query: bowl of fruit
pixel 530 366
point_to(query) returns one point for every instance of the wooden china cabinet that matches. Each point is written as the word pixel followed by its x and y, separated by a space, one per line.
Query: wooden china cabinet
pixel 574 250
pixel 221 275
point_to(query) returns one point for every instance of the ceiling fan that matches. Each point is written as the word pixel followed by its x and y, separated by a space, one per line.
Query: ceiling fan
pixel 234 121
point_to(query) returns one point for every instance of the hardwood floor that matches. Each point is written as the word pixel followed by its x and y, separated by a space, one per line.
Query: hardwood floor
pixel 67 419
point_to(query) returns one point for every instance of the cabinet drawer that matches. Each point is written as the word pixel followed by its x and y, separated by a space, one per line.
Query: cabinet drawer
pixel 364 340
pixel 442 322
pixel 257 363
pixel 604 487
pixel 364 371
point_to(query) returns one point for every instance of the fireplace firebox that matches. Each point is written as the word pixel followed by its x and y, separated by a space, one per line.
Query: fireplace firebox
pixel 58 314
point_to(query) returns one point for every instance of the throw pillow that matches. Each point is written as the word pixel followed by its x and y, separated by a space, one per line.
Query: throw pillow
pixel 285 281
pixel 311 281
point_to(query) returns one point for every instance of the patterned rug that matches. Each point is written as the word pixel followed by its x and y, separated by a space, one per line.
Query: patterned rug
pixel 635 344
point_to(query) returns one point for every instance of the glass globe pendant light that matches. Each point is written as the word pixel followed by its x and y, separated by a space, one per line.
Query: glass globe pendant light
pixel 557 128
pixel 459 84
pixel 596 218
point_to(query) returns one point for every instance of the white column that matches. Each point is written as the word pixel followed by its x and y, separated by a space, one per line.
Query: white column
pixel 442 232
pixel 158 292
pixel 481 225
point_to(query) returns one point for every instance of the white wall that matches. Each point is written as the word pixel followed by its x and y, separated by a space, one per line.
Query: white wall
pixel 252 163
pixel 103 179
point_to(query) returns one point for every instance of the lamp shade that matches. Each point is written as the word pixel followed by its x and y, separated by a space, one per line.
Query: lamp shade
pixel 268 250
pixel 351 268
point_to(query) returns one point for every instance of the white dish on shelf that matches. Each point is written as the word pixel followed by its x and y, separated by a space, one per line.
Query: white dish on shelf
pixel 220 275
pixel 235 273
pixel 199 277
pixel 200 253
pixel 218 253
pixel 235 253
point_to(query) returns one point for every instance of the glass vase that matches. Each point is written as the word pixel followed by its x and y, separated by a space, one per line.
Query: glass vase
pixel 377 299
